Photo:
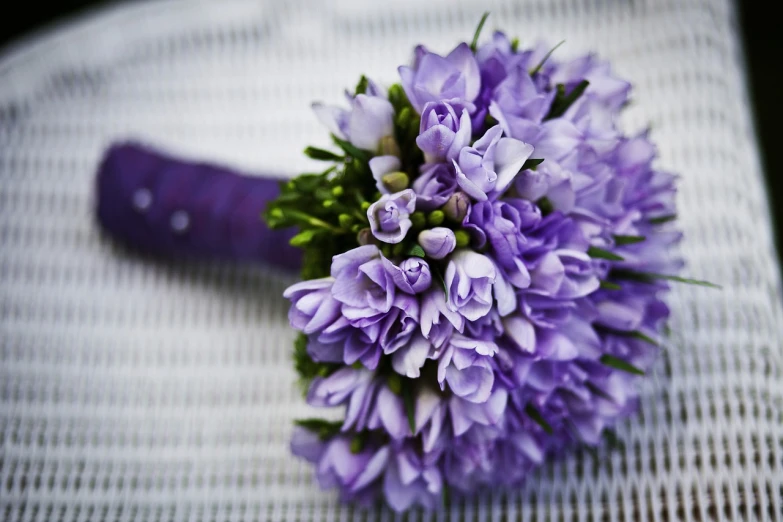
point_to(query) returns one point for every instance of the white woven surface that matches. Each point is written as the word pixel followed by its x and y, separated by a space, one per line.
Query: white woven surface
pixel 134 390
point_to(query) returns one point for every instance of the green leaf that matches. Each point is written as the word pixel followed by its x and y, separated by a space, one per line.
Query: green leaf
pixel 354 152
pixel 619 364
pixel 304 237
pixel 563 101
pixel 407 399
pixel 474 43
pixel 437 274
pixel 651 277
pixel 628 240
pixel 536 416
pixel 514 45
pixel 685 280
pixel 416 251
pixel 636 334
pixel 324 428
pixel 321 154
pixel 538 67
pixel 545 205
pixel 308 182
pixel 600 253
pixel 662 219
pixel 361 87
pixel 532 163
pixel 608 285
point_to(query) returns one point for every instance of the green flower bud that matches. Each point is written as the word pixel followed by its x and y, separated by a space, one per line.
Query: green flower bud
pixel 337 191
pixel 388 147
pixel 418 219
pixel 395 181
pixel 345 221
pixel 436 217
pixel 365 206
pixel 463 238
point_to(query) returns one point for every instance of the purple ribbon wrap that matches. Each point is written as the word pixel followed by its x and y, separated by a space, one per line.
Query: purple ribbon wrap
pixel 173 208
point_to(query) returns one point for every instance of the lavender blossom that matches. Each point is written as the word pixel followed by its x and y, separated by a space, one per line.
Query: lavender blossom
pixel 435 185
pixel 390 216
pixel 445 130
pixel 436 78
pixel 486 169
pixel 437 242
pixel 472 365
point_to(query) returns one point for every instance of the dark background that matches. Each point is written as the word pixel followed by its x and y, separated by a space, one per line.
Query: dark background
pixel 763 43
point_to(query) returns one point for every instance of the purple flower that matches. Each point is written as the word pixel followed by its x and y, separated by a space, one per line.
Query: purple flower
pixel 361 281
pixel 436 78
pixel 501 224
pixel 390 216
pixel 519 107
pixel 411 480
pixel 312 306
pixel 337 388
pixel 409 359
pixel 465 367
pixel 435 185
pixel 438 320
pixel 411 276
pixel 437 242
pixel 548 180
pixel 519 327
pixel 465 414
pixel 486 169
pixel 336 465
pixel 604 86
pixel 469 279
pixel 369 120
pixel 445 129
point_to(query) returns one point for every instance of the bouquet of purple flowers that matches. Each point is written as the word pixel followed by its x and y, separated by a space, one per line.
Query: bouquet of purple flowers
pixel 484 264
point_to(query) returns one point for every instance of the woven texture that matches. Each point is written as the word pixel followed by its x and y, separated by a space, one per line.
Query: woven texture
pixel 135 389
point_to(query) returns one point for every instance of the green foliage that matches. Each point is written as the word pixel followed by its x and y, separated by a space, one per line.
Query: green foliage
pixel 662 219
pixel 539 419
pixel 564 100
pixel 407 400
pixel 532 164
pixel 600 253
pixel 306 367
pixel 474 43
pixel 651 277
pixel 323 428
pixel 619 364
pixel 628 240
pixel 361 87
pixel 538 67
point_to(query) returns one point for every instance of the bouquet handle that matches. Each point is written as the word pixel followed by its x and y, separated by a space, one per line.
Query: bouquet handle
pixel 173 208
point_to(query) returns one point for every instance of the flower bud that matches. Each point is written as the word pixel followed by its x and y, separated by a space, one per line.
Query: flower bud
pixel 462 238
pixel 419 220
pixel 365 237
pixel 435 218
pixel 395 181
pixel 456 207
pixel 388 147
pixel 437 242
pixel 345 221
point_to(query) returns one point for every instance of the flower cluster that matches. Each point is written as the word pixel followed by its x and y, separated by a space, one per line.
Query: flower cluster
pixel 484 264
